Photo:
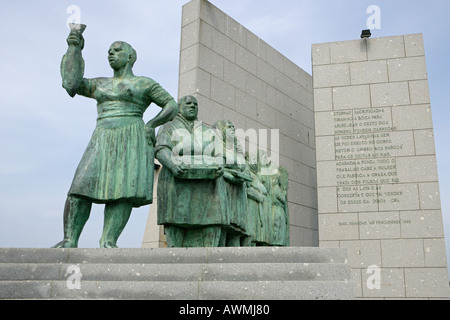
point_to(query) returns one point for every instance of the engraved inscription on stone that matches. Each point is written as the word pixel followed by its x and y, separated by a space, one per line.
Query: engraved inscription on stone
pixel 378 189
pixel 373 120
pixel 366 145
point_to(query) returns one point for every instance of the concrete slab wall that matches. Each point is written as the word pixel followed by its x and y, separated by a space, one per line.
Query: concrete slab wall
pixel 237 76
pixel 378 189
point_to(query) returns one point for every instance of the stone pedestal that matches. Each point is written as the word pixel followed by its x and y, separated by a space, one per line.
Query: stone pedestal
pixel 175 274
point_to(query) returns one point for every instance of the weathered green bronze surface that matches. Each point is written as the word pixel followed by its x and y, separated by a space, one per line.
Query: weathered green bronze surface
pixel 118 164
pixel 279 235
pixel 209 194
pixel 192 202
pixel 235 178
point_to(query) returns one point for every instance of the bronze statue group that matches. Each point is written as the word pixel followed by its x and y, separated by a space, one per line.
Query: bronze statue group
pixel 202 202
pixel 207 200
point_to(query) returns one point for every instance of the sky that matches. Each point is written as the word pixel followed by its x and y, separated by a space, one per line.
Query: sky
pixel 44 132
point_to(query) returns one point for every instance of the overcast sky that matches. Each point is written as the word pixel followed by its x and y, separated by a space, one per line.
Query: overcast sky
pixel 44 132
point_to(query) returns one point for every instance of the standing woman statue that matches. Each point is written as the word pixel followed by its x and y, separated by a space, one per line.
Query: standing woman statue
pixel 118 164
pixel 235 178
pixel 192 199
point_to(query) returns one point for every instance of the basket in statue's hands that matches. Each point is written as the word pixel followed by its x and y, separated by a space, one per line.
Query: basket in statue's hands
pixel 201 172
pixel 200 168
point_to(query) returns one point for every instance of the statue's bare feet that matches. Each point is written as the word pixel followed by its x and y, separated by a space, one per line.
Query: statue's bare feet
pixel 109 245
pixel 64 244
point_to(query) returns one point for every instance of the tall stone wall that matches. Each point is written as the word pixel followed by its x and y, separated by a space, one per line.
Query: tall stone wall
pixel 378 189
pixel 237 76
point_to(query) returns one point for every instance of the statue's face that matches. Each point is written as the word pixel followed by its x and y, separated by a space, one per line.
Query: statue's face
pixel 230 130
pixel 118 55
pixel 189 109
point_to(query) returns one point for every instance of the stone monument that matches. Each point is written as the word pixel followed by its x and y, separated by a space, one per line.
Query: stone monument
pixel 377 180
pixel 368 133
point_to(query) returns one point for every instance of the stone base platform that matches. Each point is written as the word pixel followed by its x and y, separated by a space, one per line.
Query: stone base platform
pixel 294 273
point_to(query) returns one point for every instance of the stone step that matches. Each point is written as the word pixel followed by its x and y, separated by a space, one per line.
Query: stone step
pixel 179 290
pixel 174 274
pixel 177 272
pixel 179 255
